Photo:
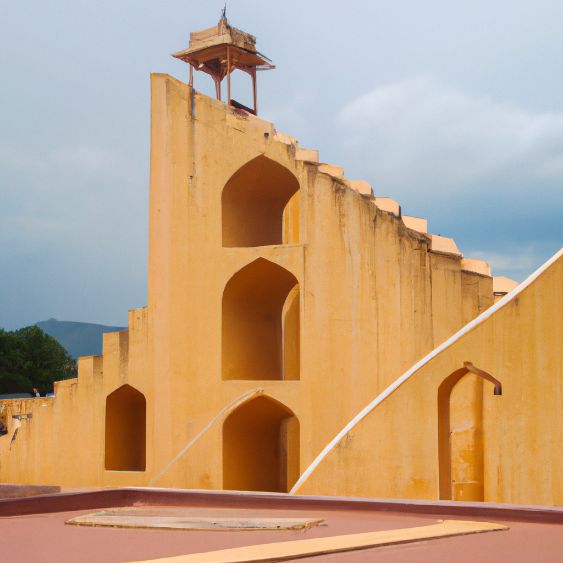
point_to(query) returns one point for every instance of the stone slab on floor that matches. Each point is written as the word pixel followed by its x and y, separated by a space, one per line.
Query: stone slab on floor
pixel 185 520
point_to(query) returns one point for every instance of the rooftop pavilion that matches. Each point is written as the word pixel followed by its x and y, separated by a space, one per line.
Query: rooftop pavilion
pixel 221 49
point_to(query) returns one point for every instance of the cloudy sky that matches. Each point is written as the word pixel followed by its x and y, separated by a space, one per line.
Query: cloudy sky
pixel 454 108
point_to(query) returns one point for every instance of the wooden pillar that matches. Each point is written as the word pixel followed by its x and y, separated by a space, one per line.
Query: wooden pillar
pixel 254 91
pixel 191 75
pixel 228 76
pixel 217 88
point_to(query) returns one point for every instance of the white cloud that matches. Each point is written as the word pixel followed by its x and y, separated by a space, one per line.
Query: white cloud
pixel 517 262
pixel 419 133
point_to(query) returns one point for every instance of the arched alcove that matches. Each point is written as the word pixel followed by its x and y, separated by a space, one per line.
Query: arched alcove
pixel 260 324
pixel 460 433
pixel 261 447
pixel 260 205
pixel 125 442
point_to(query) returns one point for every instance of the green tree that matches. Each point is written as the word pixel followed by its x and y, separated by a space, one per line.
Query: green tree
pixel 30 358
pixel 11 361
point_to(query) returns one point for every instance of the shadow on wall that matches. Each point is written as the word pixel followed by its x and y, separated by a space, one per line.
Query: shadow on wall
pixel 260 329
pixel 261 447
pixel 460 434
pixel 125 436
pixel 260 205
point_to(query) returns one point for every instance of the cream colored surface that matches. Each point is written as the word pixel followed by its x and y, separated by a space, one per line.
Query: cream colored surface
pixel 290 550
pixel 309 155
pixel 476 266
pixel 332 170
pixel 416 223
pixel 283 138
pixel 502 284
pixel 361 186
pixel 444 244
pixel 388 204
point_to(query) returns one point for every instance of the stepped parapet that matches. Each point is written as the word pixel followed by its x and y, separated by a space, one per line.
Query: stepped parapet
pixel 444 245
pixel 307 155
pixel 503 285
pixel 416 223
pixel 331 170
pixel 476 266
pixel 388 204
pixel 285 139
pixel 361 186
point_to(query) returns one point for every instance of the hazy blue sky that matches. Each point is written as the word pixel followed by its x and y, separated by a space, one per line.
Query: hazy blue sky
pixel 454 108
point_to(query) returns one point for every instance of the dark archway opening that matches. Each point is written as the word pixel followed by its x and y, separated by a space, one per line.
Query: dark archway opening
pixel 460 434
pixel 261 319
pixel 261 447
pixel 125 435
pixel 260 205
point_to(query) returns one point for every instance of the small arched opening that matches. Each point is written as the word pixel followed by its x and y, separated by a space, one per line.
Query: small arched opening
pixel 460 433
pixel 260 326
pixel 261 447
pixel 260 205
pixel 125 433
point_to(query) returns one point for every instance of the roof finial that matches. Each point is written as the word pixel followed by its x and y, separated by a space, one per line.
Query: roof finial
pixel 224 12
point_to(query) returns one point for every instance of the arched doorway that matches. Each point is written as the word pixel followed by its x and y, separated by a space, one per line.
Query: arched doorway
pixel 260 328
pixel 125 435
pixel 260 205
pixel 261 447
pixel 460 433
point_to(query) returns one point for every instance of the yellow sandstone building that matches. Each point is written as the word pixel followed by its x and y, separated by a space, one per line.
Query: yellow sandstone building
pixel 301 334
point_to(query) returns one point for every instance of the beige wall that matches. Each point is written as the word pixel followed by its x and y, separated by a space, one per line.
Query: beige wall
pixel 389 454
pixel 372 299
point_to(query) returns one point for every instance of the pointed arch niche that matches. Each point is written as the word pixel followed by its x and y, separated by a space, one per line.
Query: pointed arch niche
pixel 261 447
pixel 261 323
pixel 460 433
pixel 260 205
pixel 125 443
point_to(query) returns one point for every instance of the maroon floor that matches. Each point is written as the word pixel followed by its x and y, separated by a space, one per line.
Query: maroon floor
pixel 44 537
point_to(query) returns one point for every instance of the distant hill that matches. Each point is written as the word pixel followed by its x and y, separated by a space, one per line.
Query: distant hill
pixel 78 339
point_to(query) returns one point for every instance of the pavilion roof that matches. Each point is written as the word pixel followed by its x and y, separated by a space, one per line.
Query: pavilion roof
pixel 208 47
